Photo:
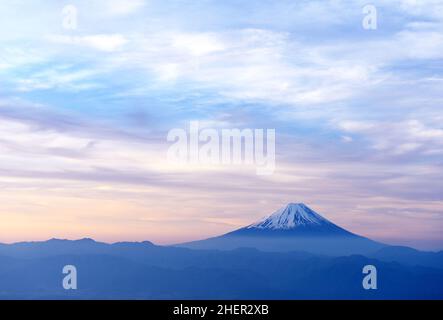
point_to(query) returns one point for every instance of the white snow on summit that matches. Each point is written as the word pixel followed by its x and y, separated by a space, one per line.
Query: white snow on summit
pixel 291 216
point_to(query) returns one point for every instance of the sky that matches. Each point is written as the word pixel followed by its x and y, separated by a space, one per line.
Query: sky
pixel 86 107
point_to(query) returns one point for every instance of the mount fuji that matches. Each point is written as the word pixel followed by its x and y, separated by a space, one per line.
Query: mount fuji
pixel 294 227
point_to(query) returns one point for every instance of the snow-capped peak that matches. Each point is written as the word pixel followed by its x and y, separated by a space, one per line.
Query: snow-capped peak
pixel 289 217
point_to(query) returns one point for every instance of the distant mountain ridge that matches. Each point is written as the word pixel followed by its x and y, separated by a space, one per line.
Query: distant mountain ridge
pixel 294 253
pixel 141 270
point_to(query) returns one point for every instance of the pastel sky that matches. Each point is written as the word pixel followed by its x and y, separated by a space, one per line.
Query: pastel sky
pixel 84 115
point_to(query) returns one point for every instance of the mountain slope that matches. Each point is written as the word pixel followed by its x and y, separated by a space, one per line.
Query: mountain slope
pixel 295 227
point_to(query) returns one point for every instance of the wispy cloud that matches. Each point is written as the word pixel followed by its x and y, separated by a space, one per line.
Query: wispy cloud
pixel 102 42
pixel 84 113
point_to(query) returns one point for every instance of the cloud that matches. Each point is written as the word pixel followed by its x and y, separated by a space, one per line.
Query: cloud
pixel 247 65
pixel 59 78
pixel 102 42
pixel 357 112
pixel 411 136
pixel 122 7
pixel 13 57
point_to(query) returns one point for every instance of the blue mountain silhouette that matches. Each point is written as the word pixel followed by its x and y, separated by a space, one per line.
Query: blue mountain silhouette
pixel 294 227
pixel 143 270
